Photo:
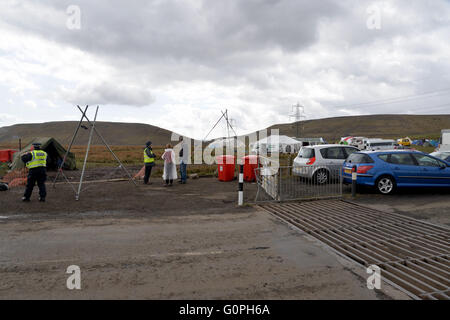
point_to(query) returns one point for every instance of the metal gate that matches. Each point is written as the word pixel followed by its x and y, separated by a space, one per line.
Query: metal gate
pixel 413 255
pixel 298 183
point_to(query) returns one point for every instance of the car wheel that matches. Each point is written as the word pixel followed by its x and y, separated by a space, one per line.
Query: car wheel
pixel 321 176
pixel 385 185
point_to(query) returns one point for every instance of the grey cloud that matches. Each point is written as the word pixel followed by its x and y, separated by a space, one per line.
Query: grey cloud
pixel 108 93
pixel 241 43
pixel 218 35
pixel 213 30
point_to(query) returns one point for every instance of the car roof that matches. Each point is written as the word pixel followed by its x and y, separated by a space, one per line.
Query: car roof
pixel 379 140
pixel 319 146
pixel 389 151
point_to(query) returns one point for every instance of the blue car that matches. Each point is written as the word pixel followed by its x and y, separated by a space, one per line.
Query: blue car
pixel 389 170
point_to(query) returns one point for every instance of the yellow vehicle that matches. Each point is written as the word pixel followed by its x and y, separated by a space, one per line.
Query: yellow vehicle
pixel 405 142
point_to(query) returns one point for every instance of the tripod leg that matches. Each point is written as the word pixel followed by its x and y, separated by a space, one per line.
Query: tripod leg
pixel 112 152
pixel 77 196
pixel 70 145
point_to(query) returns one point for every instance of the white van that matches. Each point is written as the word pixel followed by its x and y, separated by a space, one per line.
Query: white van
pixel 358 142
pixel 379 144
pixel 445 140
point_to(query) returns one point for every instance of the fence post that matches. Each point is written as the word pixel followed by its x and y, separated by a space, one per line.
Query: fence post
pixel 279 183
pixel 354 177
pixel 241 185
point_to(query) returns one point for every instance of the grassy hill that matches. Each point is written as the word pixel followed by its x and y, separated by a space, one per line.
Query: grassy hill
pixel 115 133
pixel 331 129
pixel 373 126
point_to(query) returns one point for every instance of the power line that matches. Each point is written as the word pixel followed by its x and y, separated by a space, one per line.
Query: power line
pixel 397 100
pixel 432 107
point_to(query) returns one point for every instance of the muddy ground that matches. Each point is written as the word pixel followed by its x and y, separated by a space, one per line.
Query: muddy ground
pixel 182 242
pixel 124 199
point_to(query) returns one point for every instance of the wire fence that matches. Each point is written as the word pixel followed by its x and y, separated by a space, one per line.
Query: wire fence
pixel 298 183
pixel 16 178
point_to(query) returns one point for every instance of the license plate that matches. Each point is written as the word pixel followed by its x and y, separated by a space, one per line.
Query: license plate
pixel 349 171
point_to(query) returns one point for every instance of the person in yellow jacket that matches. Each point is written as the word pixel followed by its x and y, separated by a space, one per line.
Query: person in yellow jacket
pixel 149 161
pixel 36 162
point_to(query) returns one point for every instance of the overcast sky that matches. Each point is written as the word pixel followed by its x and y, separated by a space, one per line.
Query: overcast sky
pixel 176 64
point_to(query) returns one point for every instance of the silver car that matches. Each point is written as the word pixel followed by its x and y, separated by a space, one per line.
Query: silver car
pixel 322 162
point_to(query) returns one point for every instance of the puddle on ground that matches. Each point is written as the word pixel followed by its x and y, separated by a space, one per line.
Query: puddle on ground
pixel 216 197
pixel 14 216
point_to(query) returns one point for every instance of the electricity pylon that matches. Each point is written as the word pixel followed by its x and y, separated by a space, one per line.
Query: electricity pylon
pixel 298 113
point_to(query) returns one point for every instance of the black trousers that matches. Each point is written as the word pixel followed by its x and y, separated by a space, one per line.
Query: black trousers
pixel 39 176
pixel 148 172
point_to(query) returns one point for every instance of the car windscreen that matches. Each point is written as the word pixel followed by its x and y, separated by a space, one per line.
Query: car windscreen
pixel 307 153
pixel 440 155
pixel 358 158
pixel 427 161
pixel 349 151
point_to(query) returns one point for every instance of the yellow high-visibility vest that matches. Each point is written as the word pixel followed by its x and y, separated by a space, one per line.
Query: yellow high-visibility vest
pixel 148 159
pixel 39 159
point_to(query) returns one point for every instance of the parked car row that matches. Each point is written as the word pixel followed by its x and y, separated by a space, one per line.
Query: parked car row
pixel 322 158
pixel 363 143
pixel 386 170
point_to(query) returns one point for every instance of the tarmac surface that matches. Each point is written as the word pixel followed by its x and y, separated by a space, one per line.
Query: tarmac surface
pixel 181 242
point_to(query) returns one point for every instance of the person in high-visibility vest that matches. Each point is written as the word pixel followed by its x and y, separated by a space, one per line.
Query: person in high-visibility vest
pixel 36 162
pixel 149 161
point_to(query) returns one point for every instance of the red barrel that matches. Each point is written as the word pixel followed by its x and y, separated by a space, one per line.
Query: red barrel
pixel 6 155
pixel 226 165
pixel 250 164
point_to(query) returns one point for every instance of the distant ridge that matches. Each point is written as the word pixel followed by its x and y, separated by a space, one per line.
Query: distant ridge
pixel 376 126
pixel 115 133
pixel 331 129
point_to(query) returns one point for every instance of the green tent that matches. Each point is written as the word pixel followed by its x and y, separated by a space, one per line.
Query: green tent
pixel 55 153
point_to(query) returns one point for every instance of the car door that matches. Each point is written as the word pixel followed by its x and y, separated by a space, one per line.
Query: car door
pixel 333 155
pixel 404 168
pixel 432 171
pixel 335 158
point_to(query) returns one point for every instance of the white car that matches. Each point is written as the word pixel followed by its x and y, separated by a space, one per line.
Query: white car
pixel 322 162
pixel 379 144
